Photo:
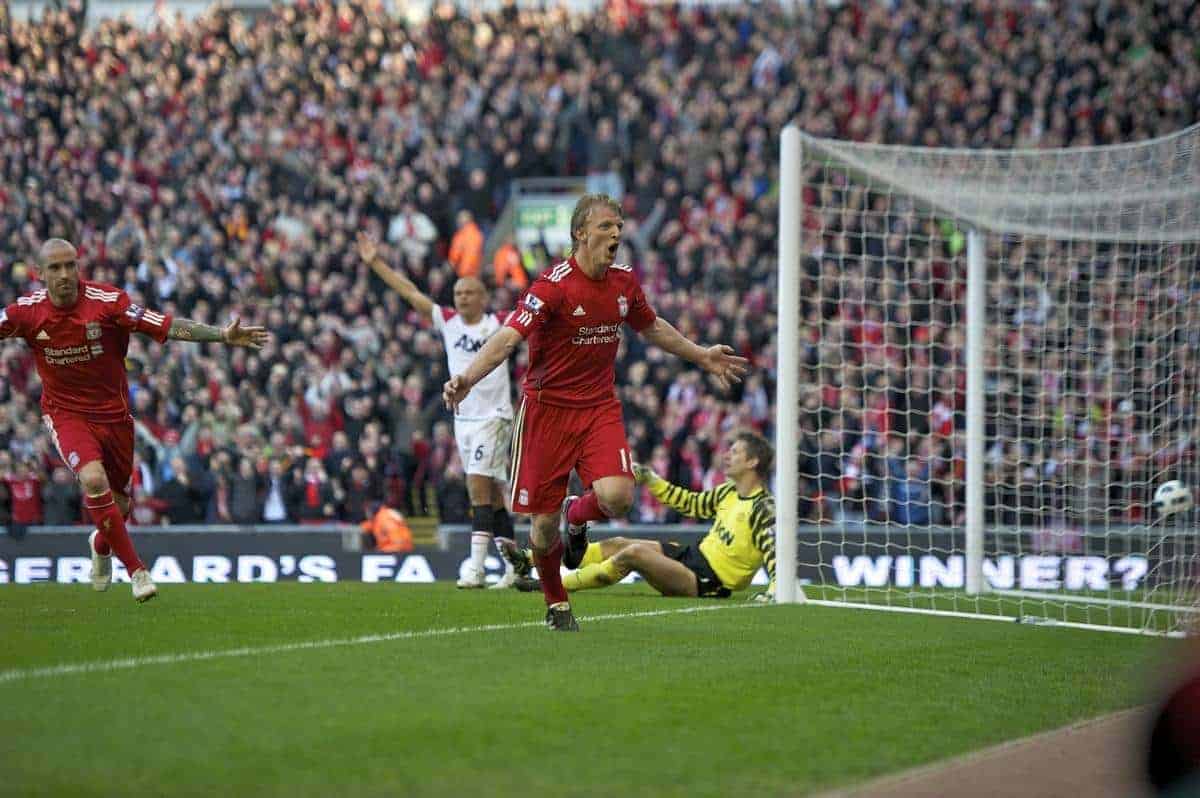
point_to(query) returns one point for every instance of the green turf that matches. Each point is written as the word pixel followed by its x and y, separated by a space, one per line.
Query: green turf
pixel 748 701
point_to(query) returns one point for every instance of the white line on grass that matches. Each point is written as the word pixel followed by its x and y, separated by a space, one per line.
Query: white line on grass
pixel 104 666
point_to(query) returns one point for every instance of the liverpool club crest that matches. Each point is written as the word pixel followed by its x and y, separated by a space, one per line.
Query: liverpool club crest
pixel 92 329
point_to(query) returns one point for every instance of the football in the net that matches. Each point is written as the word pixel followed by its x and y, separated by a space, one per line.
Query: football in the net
pixel 1172 497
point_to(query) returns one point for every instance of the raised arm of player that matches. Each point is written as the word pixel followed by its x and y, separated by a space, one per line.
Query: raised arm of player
pixel 717 360
pixel 498 348
pixel 368 250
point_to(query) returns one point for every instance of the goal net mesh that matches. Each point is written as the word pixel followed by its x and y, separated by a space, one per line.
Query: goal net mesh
pixel 1091 369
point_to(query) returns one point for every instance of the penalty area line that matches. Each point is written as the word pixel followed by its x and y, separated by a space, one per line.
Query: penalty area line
pixel 106 666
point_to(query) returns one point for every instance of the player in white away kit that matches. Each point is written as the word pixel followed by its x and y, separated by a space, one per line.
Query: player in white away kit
pixel 483 423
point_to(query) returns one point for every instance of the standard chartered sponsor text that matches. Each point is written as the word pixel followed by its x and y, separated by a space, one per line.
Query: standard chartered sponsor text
pixel 68 355
pixel 600 334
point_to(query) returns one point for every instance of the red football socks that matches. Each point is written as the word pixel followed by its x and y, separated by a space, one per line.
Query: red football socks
pixel 585 508
pixel 549 574
pixel 100 545
pixel 108 519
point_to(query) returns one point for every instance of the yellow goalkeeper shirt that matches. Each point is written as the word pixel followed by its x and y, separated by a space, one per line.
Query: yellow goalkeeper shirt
pixel 742 538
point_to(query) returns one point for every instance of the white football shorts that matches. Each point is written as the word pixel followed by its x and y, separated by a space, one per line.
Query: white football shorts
pixel 483 446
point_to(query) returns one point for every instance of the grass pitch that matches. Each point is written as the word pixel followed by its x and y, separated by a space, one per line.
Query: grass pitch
pixel 353 689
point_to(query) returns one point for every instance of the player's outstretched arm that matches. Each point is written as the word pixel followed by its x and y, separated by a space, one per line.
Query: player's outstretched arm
pixel 717 360
pixel 499 346
pixel 368 250
pixel 234 334
pixel 693 504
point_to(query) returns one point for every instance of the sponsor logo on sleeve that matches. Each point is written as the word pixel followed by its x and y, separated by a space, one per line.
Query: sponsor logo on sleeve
pixel 533 303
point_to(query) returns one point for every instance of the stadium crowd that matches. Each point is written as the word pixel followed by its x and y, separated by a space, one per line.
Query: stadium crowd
pixel 223 165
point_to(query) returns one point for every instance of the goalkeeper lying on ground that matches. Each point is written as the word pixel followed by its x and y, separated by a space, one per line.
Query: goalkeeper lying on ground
pixel 741 540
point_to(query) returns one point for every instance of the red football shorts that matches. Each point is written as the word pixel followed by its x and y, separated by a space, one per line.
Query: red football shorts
pixel 80 442
pixel 549 440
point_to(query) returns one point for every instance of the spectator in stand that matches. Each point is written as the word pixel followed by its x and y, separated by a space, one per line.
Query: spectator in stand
pixel 245 503
pixel 363 489
pixel 910 495
pixel 414 233
pixel 173 444
pixel 185 497
pixel 508 268
pixel 316 499
pixel 218 470
pixel 454 505
pixel 278 494
pixel 25 493
pixel 466 248
pixel 61 499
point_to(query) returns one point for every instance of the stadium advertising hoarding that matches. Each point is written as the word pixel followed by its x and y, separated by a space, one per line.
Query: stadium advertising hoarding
pixel 544 219
pixel 221 557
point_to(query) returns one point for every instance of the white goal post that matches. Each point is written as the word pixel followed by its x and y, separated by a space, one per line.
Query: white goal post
pixel 987 361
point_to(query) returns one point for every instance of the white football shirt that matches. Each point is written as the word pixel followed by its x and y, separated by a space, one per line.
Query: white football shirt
pixel 491 397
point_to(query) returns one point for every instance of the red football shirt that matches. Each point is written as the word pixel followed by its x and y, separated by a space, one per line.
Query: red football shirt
pixel 26 493
pixel 80 350
pixel 572 324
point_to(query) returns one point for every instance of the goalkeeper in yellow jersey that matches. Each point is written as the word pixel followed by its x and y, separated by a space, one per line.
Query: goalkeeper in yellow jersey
pixel 741 541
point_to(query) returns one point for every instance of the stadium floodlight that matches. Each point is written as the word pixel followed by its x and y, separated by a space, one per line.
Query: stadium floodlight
pixel 988 362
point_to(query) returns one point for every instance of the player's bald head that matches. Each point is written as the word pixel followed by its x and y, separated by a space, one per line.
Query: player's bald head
pixel 59 270
pixel 469 298
pixel 55 250
pixel 470 284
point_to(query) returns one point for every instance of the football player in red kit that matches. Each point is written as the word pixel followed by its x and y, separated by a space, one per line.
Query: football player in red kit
pixel 79 333
pixel 570 417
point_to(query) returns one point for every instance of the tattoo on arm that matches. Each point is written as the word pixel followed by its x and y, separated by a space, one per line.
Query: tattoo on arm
pixel 188 330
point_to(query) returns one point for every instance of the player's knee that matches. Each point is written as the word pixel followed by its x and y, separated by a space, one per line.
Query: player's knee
pixel 93 480
pixel 543 532
pixel 631 556
pixel 617 503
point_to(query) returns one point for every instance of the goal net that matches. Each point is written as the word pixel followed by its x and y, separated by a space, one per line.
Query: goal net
pixel 988 362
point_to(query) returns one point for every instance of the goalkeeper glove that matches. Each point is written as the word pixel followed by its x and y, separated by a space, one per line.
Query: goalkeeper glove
pixel 767 596
pixel 643 474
